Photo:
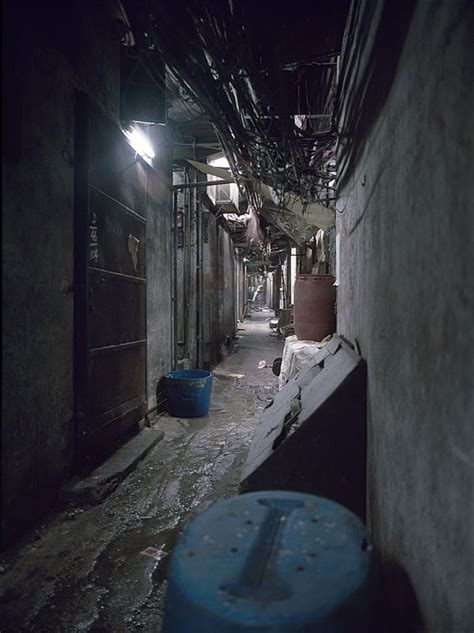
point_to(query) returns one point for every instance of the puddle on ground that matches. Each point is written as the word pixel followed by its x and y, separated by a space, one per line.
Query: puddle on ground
pixel 102 582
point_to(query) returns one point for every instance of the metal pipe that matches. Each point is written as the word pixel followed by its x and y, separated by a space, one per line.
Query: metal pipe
pixel 206 183
pixel 99 351
pixel 113 274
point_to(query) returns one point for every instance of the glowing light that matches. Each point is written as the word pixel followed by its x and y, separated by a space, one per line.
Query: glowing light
pixel 140 143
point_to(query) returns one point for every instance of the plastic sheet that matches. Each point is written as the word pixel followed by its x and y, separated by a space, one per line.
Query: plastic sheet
pixel 297 356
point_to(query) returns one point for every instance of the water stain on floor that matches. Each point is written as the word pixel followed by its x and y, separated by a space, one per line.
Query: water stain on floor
pixel 84 569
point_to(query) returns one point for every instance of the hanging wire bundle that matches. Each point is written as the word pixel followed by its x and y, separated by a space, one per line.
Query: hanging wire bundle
pixel 273 117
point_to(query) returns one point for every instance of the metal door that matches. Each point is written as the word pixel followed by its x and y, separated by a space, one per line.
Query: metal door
pixel 110 286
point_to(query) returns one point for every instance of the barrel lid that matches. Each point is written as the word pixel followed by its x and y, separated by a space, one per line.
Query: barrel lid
pixel 274 557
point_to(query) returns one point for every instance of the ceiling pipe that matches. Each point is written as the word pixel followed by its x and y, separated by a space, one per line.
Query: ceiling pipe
pixel 205 183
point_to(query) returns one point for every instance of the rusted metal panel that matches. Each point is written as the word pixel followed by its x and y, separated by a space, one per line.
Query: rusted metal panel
pixel 114 167
pixel 117 310
pixel 118 234
pixel 115 378
pixel 111 289
pixel 102 439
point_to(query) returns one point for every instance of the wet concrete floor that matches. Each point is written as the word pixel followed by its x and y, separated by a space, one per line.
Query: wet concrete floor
pixel 83 569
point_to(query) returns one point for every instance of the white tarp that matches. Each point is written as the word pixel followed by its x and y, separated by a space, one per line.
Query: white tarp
pixel 220 172
pixel 314 214
pixel 309 218
pixel 297 356
pixel 294 227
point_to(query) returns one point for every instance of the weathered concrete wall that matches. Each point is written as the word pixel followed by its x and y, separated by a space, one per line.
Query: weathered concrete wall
pixel 206 280
pixel 240 285
pixel 37 410
pixel 179 177
pixel 187 276
pixel 54 49
pixel 159 268
pixel 227 291
pixel 191 277
pixel 210 283
pixel 406 295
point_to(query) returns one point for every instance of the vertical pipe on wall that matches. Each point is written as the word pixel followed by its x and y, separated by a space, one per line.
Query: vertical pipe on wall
pixel 238 286
pixel 289 272
pixel 277 297
pixel 186 263
pixel 174 290
pixel 294 271
pixel 192 274
pixel 199 283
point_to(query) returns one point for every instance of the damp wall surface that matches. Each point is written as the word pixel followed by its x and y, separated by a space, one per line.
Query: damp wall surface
pixel 227 283
pixel 206 278
pixel 187 268
pixel 37 261
pixel 58 52
pixel 42 71
pixel 406 225
pixel 210 291
pixel 160 271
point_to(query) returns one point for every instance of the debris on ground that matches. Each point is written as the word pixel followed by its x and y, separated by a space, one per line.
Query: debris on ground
pixel 72 514
pixel 262 364
pixel 154 552
pixel 224 374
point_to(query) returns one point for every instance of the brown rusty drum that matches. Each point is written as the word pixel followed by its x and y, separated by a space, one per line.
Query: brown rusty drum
pixel 315 300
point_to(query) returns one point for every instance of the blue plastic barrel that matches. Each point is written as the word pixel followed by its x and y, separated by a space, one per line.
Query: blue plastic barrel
pixel 273 561
pixel 188 392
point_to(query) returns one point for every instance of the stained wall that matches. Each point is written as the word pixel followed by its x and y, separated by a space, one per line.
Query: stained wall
pixel 406 295
pixel 49 57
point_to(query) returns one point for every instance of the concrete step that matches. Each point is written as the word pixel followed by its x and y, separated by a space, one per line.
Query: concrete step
pixel 104 479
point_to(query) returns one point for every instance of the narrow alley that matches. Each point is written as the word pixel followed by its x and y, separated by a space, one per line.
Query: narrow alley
pixel 85 569
pixel 238 298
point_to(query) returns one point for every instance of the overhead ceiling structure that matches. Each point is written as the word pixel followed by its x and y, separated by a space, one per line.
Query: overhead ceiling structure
pixel 265 77
pixel 190 123
pixel 297 220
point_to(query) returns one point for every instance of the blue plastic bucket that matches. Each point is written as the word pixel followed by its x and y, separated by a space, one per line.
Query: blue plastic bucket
pixel 188 392
pixel 278 561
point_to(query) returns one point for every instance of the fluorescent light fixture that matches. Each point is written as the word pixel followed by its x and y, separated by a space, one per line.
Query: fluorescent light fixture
pixel 140 143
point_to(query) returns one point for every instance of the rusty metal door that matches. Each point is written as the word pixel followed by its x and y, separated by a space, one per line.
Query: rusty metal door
pixel 110 286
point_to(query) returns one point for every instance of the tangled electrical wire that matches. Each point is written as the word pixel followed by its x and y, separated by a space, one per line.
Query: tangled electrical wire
pixel 214 59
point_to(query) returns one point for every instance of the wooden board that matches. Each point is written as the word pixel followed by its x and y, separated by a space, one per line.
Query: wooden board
pixel 312 438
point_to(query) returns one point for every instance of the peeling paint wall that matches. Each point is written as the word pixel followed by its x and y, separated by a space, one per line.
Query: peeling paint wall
pixel 407 231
